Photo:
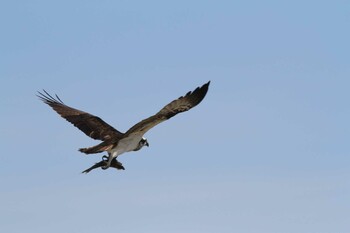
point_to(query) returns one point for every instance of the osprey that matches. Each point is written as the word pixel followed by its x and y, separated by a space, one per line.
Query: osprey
pixel 115 142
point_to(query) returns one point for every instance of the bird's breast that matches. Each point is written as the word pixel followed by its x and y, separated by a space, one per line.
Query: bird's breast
pixel 126 145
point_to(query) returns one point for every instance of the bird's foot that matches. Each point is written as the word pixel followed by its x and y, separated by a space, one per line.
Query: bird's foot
pixel 105 160
pixel 114 163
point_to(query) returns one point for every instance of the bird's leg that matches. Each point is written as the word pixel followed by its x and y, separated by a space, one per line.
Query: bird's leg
pixel 104 160
pixel 110 157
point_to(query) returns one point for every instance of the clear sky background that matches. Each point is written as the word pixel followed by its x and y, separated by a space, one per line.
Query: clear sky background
pixel 267 151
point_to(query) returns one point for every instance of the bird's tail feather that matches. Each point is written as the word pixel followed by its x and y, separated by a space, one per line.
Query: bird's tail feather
pixel 96 149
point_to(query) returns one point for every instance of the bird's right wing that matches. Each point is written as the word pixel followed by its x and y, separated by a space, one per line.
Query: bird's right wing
pixel 182 104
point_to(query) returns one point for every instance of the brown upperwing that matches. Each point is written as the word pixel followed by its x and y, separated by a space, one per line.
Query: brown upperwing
pixel 182 104
pixel 91 125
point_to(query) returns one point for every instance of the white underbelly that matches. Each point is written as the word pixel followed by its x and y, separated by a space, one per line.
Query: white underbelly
pixel 125 145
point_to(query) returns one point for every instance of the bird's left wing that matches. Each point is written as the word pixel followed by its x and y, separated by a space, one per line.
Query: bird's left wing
pixel 182 104
pixel 91 125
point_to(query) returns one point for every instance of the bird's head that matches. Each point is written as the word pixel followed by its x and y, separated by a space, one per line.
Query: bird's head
pixel 142 143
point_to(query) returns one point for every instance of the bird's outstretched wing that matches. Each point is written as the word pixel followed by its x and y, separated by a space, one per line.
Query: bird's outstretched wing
pixel 182 104
pixel 91 125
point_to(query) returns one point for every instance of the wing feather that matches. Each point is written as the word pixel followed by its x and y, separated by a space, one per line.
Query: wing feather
pixel 182 104
pixel 91 125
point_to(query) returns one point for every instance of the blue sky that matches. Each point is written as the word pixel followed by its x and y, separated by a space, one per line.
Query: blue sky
pixel 266 151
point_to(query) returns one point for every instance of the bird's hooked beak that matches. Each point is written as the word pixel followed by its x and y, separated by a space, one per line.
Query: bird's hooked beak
pixel 147 144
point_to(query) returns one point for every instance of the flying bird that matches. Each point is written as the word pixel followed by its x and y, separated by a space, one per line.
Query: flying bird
pixel 115 142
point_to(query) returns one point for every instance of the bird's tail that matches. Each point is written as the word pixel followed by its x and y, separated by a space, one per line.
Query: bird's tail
pixel 96 149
